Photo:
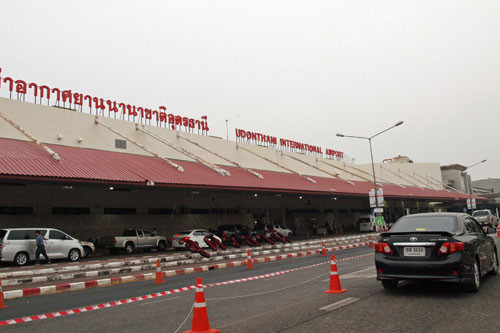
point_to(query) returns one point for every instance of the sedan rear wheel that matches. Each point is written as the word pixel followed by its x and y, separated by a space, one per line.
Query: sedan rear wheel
pixel 494 266
pixel 390 284
pixel 476 280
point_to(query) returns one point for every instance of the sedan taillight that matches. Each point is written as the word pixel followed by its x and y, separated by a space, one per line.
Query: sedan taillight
pixel 451 247
pixel 383 248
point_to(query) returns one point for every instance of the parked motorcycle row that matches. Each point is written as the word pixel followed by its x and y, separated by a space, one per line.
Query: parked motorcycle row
pixel 214 242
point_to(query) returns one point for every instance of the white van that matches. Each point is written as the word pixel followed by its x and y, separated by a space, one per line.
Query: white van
pixel 16 245
pixel 366 223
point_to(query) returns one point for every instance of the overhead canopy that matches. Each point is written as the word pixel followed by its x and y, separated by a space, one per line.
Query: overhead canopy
pixel 25 160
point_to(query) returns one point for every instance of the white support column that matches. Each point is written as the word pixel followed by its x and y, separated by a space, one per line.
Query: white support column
pixel 52 153
pixel 178 167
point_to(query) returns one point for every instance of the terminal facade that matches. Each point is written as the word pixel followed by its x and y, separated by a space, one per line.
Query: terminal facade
pixel 93 171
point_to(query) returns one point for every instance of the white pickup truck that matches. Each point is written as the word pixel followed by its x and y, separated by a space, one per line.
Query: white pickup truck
pixel 485 217
pixel 134 239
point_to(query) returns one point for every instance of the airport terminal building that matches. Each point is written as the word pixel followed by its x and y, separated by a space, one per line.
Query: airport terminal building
pixel 92 167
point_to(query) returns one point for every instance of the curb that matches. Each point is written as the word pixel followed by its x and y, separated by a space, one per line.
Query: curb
pixel 146 263
pixel 75 286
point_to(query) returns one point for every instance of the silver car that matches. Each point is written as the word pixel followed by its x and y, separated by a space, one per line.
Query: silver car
pixel 16 245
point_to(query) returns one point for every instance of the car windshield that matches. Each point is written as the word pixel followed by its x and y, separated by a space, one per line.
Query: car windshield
pixel 481 213
pixel 425 223
pixel 185 232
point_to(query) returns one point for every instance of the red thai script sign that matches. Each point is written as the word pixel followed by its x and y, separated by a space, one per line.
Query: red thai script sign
pixel 100 106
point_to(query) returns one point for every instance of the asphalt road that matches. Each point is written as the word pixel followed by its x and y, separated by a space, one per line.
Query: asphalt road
pixel 293 302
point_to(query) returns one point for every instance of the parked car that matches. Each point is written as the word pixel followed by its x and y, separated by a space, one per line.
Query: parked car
pixel 436 246
pixel 485 217
pixel 260 228
pixel 88 249
pixel 134 239
pixel 196 235
pixel 365 223
pixel 233 230
pixel 16 245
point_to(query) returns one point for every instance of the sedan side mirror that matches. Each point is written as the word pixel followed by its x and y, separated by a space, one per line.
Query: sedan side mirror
pixel 491 230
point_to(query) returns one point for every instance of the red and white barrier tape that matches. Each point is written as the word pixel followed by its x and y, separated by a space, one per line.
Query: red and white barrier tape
pixel 113 263
pixel 163 293
pixel 74 286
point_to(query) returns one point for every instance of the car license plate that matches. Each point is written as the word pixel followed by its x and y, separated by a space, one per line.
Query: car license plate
pixel 414 251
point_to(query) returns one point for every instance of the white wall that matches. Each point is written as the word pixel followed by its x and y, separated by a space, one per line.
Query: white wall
pixel 49 123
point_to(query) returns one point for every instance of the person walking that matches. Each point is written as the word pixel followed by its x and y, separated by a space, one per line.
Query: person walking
pixel 40 247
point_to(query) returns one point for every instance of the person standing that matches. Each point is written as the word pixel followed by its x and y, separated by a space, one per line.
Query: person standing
pixel 40 247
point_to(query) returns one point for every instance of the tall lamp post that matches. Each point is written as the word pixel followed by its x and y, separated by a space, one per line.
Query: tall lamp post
pixel 371 153
pixel 469 185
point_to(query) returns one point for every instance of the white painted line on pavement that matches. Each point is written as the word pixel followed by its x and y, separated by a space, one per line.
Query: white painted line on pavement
pixel 339 304
pixel 357 274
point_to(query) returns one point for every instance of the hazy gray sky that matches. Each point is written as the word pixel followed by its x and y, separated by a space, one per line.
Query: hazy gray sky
pixel 301 70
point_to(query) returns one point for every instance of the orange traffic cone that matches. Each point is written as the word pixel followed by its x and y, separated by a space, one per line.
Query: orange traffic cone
pixel 159 273
pixel 200 315
pixel 249 261
pixel 2 305
pixel 323 249
pixel 370 243
pixel 335 287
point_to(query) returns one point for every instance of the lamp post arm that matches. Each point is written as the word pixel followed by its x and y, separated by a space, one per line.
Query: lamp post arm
pixel 356 137
pixel 475 164
pixel 382 132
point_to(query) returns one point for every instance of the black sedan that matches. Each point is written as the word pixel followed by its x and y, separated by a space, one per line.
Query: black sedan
pixel 436 246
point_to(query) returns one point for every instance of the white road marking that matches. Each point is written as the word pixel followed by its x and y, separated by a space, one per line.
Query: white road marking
pixel 339 304
pixel 367 273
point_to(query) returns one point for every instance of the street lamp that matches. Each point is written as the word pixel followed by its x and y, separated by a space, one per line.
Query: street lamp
pixel 371 153
pixel 469 184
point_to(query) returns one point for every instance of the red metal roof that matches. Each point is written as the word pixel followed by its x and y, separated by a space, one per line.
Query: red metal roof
pixel 22 159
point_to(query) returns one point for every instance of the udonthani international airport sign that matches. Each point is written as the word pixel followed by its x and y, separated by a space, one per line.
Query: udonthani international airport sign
pixel 285 144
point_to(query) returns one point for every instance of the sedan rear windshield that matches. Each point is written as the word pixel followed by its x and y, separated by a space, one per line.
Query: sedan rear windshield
pixel 425 223
pixel 481 213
